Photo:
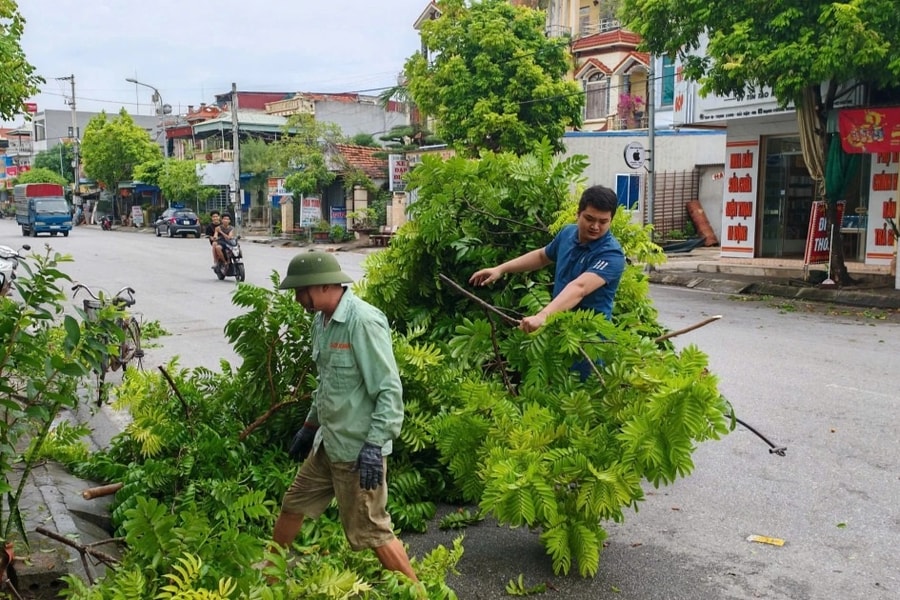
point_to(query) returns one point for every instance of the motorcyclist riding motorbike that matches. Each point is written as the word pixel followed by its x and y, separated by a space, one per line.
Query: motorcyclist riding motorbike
pixel 215 219
pixel 233 264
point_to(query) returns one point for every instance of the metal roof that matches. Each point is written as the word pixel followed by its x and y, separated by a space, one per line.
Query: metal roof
pixel 248 120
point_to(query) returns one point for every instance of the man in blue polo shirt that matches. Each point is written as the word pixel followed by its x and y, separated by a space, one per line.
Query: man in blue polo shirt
pixel 589 261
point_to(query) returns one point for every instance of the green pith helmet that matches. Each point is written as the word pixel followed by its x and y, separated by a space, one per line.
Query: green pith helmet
pixel 313 268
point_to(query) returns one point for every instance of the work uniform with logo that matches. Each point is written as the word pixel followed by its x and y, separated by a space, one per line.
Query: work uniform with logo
pixel 358 403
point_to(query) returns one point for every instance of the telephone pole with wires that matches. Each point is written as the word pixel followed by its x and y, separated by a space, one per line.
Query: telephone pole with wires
pixel 74 136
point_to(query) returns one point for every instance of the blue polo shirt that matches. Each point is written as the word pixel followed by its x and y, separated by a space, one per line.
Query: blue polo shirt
pixel 603 257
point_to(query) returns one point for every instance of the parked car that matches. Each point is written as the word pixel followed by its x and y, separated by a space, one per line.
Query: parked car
pixel 178 221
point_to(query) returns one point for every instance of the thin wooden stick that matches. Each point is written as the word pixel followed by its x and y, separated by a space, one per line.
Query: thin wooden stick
pixel 515 322
pixel 184 404
pixel 489 307
pixel 702 323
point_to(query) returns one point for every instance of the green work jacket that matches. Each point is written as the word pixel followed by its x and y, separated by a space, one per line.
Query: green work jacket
pixel 359 397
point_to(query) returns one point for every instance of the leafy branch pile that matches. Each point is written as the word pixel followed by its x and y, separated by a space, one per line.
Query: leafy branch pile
pixel 203 466
pixel 494 416
pixel 517 430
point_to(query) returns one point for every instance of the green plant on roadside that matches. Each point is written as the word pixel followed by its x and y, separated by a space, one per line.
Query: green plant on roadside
pixel 45 356
pixel 151 330
pixel 517 587
pixel 338 233
pixel 461 519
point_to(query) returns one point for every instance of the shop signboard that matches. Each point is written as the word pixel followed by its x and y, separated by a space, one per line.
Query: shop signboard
pixel 870 130
pixel 339 216
pixel 818 237
pixel 399 167
pixel 739 210
pixel 883 195
pixel 277 194
pixel 310 211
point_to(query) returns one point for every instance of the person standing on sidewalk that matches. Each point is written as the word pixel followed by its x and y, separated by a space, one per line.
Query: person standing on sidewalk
pixel 356 413
pixel 589 263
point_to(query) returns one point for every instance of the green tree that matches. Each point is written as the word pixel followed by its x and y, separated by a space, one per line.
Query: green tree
pixel 810 53
pixel 41 175
pixel 257 160
pixel 404 138
pixel 17 78
pixel 364 139
pixel 111 149
pixel 57 159
pixel 495 81
pixel 302 154
pixel 520 435
pixel 178 181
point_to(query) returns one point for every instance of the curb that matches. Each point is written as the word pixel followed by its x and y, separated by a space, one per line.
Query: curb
pixel 884 298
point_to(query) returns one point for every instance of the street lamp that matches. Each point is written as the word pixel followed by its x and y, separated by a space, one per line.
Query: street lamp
pixel 161 111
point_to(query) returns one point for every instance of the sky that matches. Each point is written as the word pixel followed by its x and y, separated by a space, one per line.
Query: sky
pixel 191 50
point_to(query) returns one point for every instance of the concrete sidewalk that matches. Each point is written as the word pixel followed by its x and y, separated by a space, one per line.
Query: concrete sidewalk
pixel 705 269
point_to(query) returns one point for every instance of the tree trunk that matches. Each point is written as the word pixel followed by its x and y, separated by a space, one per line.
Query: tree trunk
pixel 812 120
pixel 837 267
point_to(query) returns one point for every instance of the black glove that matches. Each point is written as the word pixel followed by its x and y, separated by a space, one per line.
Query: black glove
pixel 370 466
pixel 303 442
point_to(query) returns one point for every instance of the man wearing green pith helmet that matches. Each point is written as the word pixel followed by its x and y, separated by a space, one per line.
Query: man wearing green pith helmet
pixel 356 413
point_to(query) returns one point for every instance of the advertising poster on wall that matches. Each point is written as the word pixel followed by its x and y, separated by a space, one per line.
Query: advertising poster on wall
pixel 739 210
pixel 339 216
pixel 883 194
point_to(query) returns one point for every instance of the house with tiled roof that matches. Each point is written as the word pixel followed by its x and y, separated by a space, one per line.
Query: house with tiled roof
pixel 614 77
pixel 366 159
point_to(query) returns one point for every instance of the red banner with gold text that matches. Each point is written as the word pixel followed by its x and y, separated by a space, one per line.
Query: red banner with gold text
pixel 870 130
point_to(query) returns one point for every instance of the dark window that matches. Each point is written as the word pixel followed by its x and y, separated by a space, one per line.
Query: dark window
pixel 668 82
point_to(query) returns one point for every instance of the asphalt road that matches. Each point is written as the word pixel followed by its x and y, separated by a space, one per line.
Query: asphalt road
pixel 817 380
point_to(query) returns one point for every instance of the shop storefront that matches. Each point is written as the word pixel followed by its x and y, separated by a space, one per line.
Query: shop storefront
pixel 875 134
pixel 769 194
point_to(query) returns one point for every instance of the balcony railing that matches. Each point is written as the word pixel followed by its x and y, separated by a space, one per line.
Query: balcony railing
pixel 218 155
pixel 19 147
pixel 602 26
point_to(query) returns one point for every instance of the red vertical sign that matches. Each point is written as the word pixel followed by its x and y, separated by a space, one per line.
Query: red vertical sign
pixel 818 237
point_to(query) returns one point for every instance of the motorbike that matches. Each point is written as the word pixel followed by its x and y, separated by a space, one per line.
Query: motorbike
pixel 234 261
pixel 9 262
pixel 106 223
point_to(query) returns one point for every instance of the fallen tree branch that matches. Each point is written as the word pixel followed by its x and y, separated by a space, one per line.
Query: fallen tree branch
pixel 83 550
pixel 489 307
pixel 184 404
pixel 265 416
pixel 672 334
pixel 101 490
pixel 103 557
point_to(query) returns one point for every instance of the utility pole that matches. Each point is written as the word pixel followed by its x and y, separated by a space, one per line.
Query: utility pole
pixel 651 141
pixel 236 158
pixel 71 79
